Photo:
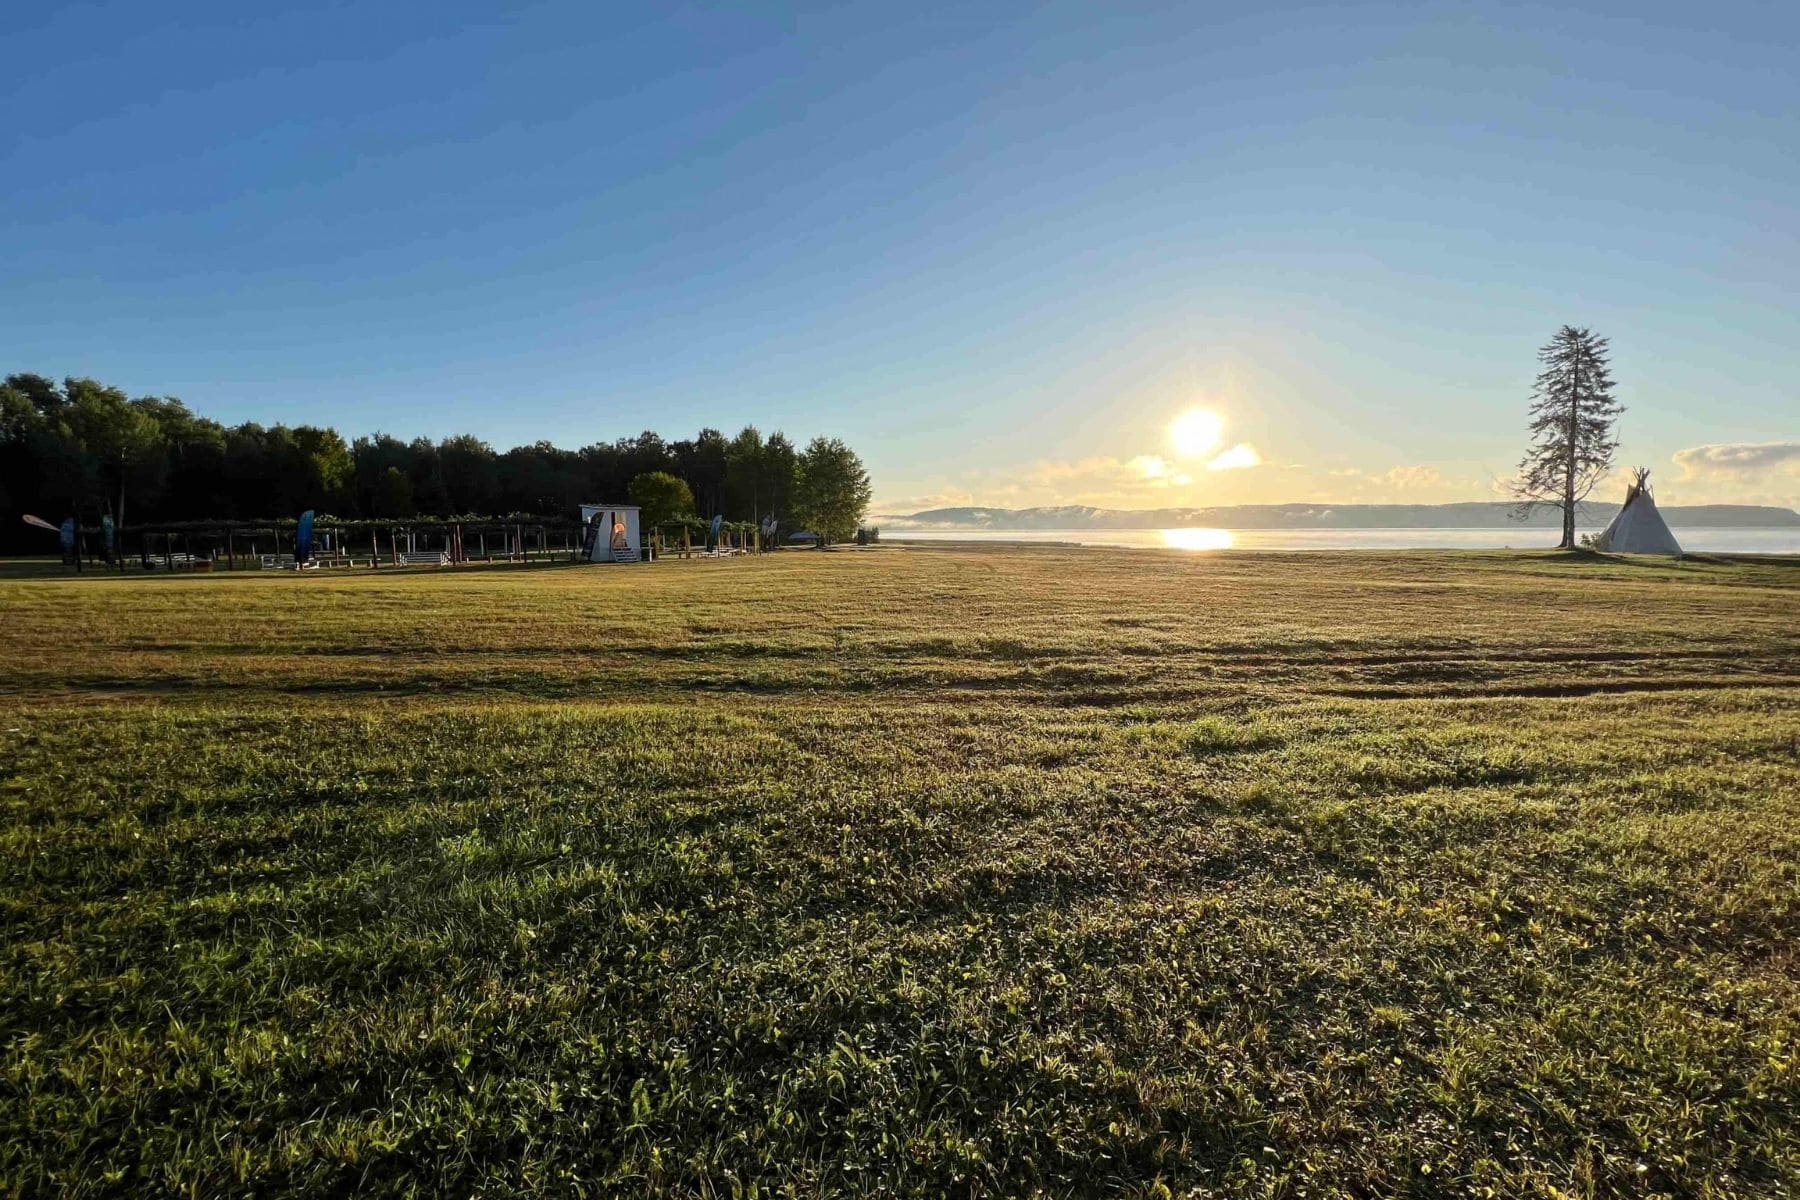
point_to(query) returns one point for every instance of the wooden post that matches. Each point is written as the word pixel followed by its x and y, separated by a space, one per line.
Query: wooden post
pixel 687 541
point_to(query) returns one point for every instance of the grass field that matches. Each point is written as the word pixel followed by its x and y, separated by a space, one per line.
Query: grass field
pixel 906 872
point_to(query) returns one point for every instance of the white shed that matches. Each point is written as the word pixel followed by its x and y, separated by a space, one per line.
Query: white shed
pixel 609 532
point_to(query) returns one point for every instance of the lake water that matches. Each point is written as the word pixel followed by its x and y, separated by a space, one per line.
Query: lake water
pixel 1695 541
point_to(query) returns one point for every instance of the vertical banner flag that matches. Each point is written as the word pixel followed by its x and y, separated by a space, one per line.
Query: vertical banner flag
pixel 712 532
pixel 590 537
pixel 68 541
pixel 303 539
pixel 106 535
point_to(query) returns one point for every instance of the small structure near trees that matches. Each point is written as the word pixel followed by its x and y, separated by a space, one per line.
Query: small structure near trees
pixel 609 533
pixel 1638 528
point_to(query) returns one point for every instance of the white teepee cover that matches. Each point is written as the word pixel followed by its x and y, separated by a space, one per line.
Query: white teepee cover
pixel 1639 528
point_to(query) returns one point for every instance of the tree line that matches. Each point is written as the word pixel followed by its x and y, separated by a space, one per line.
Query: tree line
pixel 85 449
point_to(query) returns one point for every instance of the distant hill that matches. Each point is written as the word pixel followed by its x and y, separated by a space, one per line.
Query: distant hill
pixel 1473 515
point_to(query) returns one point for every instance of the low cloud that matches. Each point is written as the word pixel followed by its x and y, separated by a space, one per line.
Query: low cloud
pixel 1237 458
pixel 1736 459
pixel 1408 478
pixel 1140 477
pixel 1140 481
pixel 921 503
pixel 1156 467
pixel 1144 472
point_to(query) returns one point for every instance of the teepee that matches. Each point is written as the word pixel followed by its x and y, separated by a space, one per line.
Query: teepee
pixel 1639 528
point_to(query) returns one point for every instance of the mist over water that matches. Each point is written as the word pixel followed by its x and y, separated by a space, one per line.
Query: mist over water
pixel 1202 538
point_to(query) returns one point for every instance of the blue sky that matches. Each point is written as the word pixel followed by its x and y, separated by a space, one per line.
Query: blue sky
pixel 997 248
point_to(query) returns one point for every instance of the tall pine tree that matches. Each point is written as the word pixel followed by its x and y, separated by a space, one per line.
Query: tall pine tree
pixel 1572 416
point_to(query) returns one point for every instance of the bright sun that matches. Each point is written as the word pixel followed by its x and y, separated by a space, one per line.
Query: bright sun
pixel 1196 432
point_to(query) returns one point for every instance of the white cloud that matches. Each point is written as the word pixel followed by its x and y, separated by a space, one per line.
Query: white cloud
pixel 1737 459
pixel 1237 458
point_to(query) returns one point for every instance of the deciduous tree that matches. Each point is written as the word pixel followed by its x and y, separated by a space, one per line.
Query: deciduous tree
pixel 831 489
pixel 662 497
pixel 81 448
pixel 121 440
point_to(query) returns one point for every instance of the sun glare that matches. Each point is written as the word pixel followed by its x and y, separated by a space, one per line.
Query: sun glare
pixel 1197 538
pixel 1196 432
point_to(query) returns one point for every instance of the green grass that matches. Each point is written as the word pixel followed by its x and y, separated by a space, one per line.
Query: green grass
pixel 906 872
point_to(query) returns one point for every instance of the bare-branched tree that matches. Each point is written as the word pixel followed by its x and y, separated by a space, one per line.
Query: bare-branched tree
pixel 1572 416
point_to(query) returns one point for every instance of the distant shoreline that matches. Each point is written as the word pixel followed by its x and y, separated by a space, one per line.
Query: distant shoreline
pixel 1490 515
pixel 1190 539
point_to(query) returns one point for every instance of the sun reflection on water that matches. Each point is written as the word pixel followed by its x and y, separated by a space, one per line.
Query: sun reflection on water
pixel 1196 538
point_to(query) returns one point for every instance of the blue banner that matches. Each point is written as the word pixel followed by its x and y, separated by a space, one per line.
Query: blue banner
pixel 303 538
pixel 106 534
pixel 68 541
pixel 712 533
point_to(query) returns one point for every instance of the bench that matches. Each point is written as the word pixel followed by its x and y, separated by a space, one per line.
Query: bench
pixel 179 558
